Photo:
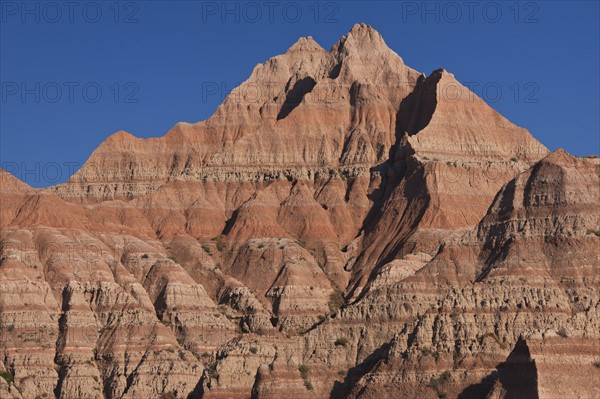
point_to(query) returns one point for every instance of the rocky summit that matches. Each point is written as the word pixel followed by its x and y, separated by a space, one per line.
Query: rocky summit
pixel 342 226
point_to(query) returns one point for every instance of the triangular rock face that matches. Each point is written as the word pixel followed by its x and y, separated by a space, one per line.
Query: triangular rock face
pixel 448 121
pixel 305 112
pixel 454 150
pixel 13 191
pixel 342 226
pixel 9 184
pixel 355 123
pixel 554 202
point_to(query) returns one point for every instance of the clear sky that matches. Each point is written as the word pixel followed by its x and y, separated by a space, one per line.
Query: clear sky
pixel 73 73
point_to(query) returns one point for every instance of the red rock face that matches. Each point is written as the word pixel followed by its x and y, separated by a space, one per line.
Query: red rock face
pixel 342 226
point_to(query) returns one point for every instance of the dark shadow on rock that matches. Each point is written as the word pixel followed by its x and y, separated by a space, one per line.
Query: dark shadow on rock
pixel 341 389
pixel 481 389
pixel 416 109
pixel 414 114
pixel 295 96
pixel 517 377
pixel 198 391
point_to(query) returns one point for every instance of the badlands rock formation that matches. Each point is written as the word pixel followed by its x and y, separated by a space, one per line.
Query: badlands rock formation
pixel 342 227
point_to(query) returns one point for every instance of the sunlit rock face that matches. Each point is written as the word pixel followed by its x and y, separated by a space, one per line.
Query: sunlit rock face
pixel 342 227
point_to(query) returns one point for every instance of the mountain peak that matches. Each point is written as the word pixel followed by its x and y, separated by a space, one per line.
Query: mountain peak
pixel 362 37
pixel 120 136
pixel 305 44
pixel 559 157
pixel 11 184
pixel 361 29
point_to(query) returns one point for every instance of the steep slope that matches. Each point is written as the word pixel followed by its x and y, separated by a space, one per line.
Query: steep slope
pixel 82 297
pixel 13 192
pixel 342 226
pixel 299 114
pixel 530 269
pixel 379 147
pixel 454 150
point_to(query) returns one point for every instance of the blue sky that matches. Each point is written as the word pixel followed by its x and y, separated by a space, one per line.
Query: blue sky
pixel 73 74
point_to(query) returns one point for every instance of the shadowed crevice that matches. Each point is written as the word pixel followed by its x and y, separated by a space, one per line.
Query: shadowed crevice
pixel 481 389
pixel 518 375
pixel 341 389
pixel 295 96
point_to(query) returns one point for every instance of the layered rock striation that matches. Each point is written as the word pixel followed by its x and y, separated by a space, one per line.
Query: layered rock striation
pixel 342 227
